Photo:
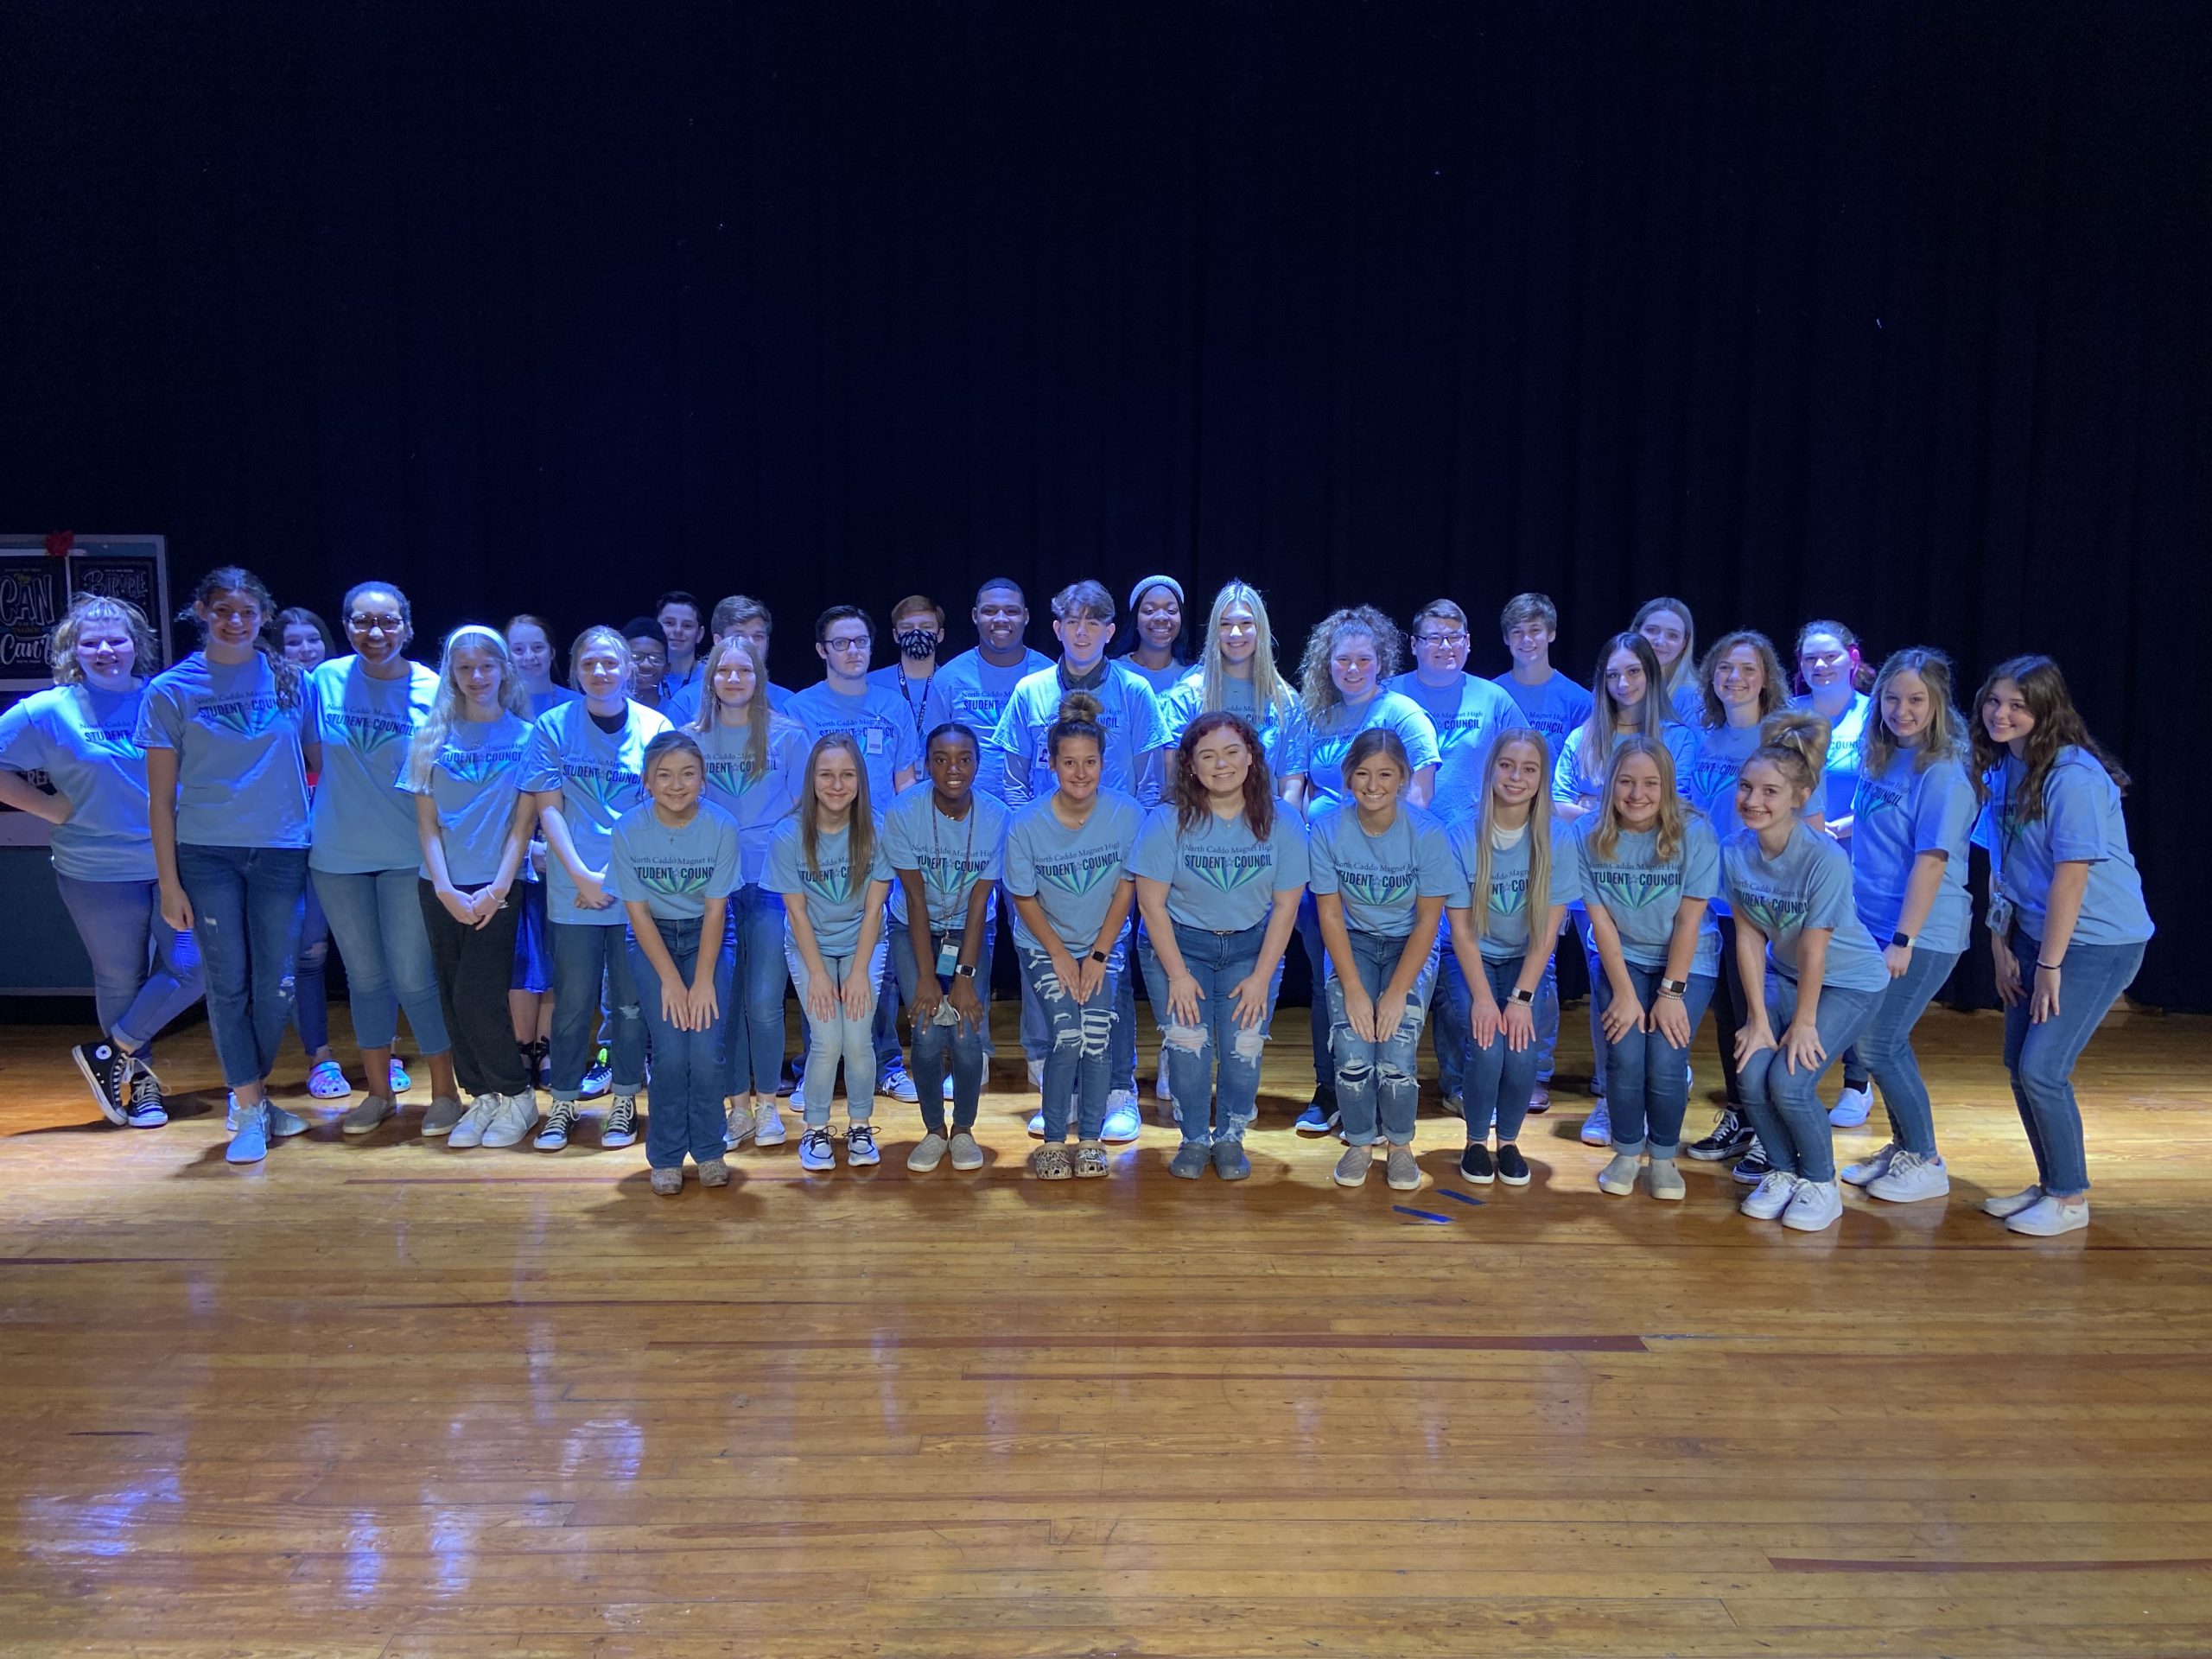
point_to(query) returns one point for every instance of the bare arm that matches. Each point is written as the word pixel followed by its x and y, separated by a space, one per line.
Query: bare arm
pixel 18 792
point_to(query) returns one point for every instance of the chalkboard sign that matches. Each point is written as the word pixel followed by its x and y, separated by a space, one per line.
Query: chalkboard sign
pixel 34 594
pixel 36 586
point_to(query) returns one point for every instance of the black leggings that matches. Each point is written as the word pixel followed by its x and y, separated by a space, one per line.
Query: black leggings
pixel 1728 1008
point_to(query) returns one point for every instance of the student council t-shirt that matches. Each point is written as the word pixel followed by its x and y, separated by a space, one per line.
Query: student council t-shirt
pixel 1379 879
pixel 86 740
pixel 1220 876
pixel 362 820
pixel 475 778
pixel 1071 873
pixel 241 768
pixel 835 894
pixel 673 869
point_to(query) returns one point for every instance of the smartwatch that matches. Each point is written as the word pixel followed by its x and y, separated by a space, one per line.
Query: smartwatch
pixel 1100 958
pixel 1901 941
pixel 1673 987
pixel 965 970
pixel 1517 995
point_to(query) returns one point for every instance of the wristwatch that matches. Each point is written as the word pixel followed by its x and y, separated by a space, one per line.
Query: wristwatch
pixel 1673 987
pixel 1901 941
pixel 1100 958
pixel 964 971
pixel 1517 995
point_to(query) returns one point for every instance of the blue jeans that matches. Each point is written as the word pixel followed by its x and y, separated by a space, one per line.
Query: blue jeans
pixel 585 954
pixel 687 1069
pixel 1378 1081
pixel 1578 921
pixel 1648 1090
pixel 1500 1080
pixel 1886 1049
pixel 1791 1122
pixel 1078 1065
pixel 945 1044
pixel 144 972
pixel 310 963
pixel 243 903
pixel 1317 967
pixel 376 921
pixel 752 1025
pixel 2041 1057
pixel 838 1038
pixel 1217 1053
pixel 1456 1022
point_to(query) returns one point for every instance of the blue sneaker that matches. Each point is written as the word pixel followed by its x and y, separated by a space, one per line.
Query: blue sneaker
pixel 249 1144
pixel 401 1083
pixel 599 1078
pixel 1320 1116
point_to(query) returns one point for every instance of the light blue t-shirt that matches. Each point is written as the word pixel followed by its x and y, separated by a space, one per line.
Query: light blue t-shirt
pixel 1641 893
pixel 1161 680
pixel 1284 734
pixel 977 692
pixel 879 723
pixel 836 899
pixel 1503 926
pixel 600 776
pixel 1708 784
pixel 1808 886
pixel 1846 753
pixel 951 854
pixel 1576 785
pixel 86 740
pixel 362 820
pixel 1689 699
pixel 1072 873
pixel 673 869
pixel 683 707
pixel 756 801
pixel 1380 877
pixel 924 702
pixel 1220 876
pixel 474 780
pixel 241 768
pixel 1128 711
pixel 2082 821
pixel 1895 818
pixel 1332 734
pixel 552 698
pixel 1556 707
pixel 1465 714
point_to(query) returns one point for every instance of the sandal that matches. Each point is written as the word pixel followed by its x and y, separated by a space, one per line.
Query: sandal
pixel 1090 1161
pixel 326 1081
pixel 1050 1162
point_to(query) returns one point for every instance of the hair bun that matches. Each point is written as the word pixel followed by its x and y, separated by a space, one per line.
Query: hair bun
pixel 1080 705
pixel 1800 730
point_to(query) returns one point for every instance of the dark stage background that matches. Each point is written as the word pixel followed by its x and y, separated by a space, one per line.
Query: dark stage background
pixel 1895 312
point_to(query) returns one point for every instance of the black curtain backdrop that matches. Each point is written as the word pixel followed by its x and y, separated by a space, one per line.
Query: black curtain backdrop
pixel 1889 312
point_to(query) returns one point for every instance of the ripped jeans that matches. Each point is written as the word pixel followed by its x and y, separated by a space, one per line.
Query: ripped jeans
pixel 583 953
pixel 1378 1075
pixel 243 901
pixel 1216 1062
pixel 1078 1066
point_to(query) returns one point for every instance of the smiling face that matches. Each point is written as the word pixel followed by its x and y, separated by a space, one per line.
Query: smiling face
pixel 1440 646
pixel 675 782
pixel 303 645
pixel 1238 634
pixel 1763 797
pixel 376 626
pixel 532 651
pixel 1376 782
pixel 232 617
pixel 1907 707
pixel 2006 714
pixel 648 662
pixel 105 651
pixel 1354 664
pixel 1159 617
pixel 1083 639
pixel 1517 774
pixel 1825 661
pixel 1000 618
pixel 1076 763
pixel 1625 680
pixel 1637 792
pixel 1220 761
pixel 1739 677
pixel 1668 634
pixel 476 673
pixel 680 622
pixel 952 768
pixel 836 779
pixel 1530 641
pixel 601 669
pixel 735 679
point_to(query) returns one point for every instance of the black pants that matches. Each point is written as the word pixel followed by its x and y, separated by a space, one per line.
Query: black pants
pixel 1727 1007
pixel 474 966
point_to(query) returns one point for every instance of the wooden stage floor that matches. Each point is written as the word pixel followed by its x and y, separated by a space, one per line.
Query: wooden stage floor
pixel 376 1398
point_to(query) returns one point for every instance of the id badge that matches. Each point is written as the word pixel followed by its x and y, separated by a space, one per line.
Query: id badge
pixel 875 744
pixel 948 958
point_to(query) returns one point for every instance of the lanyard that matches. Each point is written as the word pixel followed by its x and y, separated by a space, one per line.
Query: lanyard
pixel 913 707
pixel 937 853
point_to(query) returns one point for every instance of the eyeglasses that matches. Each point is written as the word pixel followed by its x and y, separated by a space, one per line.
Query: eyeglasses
pixel 846 645
pixel 375 624
pixel 1454 640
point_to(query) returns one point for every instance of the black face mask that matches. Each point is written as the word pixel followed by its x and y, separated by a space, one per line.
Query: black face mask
pixel 917 643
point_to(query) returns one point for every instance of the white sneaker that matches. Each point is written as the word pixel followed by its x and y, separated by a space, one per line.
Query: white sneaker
pixel 1873 1169
pixel 1818 1205
pixel 2047 1217
pixel 2013 1203
pixel 1454 1105
pixel 1036 1074
pixel 1160 1091
pixel 1597 1128
pixel 1123 1124
pixel 1910 1178
pixel 469 1132
pixel 511 1123
pixel 928 1154
pixel 767 1124
pixel 1771 1197
pixel 817 1150
pixel 860 1147
pixel 1851 1108
pixel 737 1127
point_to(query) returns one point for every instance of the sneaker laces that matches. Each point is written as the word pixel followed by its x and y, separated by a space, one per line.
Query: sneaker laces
pixel 816 1141
pixel 1772 1183
pixel 1727 1125
pixel 145 1088
pixel 860 1136
pixel 624 1112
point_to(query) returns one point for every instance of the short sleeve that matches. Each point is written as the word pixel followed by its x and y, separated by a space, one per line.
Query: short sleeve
pixel 1152 857
pixel 1291 862
pixel 1700 862
pixel 1566 868
pixel 1296 744
pixel 1145 718
pixel 898 839
pixel 1418 733
pixel 726 865
pixel 995 858
pixel 1460 840
pixel 905 744
pixel 1321 856
pixel 1177 706
pixel 1020 877
pixel 309 721
pixel 2074 809
pixel 1566 786
pixel 22 745
pixel 1827 890
pixel 161 724
pixel 622 865
pixel 1436 871
pixel 541 759
pixel 1945 811
pixel 783 861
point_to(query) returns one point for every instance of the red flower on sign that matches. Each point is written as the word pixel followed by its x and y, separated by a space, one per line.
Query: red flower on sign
pixel 59 543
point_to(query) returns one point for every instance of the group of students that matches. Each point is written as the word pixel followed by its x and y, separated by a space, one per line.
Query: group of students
pixel 629 870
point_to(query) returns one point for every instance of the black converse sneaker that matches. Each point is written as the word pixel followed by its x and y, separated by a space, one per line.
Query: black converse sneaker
pixel 1753 1167
pixel 1730 1136
pixel 148 1109
pixel 620 1128
pixel 108 1069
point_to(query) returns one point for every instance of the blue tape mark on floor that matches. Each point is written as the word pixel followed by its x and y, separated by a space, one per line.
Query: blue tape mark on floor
pixel 1422 1215
pixel 1463 1198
